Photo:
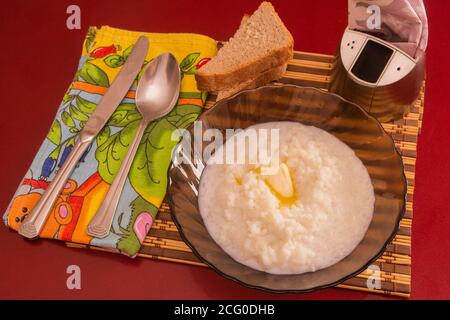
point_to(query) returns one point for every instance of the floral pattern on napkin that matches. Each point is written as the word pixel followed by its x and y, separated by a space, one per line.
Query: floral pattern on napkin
pixel 104 52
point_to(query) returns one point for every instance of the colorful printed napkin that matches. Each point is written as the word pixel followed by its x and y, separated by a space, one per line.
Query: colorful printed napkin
pixel 404 23
pixel 104 52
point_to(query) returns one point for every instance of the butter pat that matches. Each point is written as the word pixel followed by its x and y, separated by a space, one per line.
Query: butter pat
pixel 280 181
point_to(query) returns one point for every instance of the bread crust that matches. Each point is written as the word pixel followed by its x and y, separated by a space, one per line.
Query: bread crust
pixel 251 70
pixel 263 79
pixel 228 80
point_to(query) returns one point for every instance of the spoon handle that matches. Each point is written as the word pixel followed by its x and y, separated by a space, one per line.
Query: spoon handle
pixel 32 225
pixel 100 225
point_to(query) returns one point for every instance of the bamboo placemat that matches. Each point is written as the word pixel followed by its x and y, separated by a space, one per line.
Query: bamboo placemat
pixel 310 69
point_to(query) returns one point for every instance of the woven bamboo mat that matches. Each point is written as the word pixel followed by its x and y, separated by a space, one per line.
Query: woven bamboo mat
pixel 309 69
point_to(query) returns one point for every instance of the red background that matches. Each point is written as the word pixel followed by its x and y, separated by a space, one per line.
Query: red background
pixel 38 57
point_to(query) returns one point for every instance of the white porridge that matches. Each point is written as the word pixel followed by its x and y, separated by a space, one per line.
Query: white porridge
pixel 309 216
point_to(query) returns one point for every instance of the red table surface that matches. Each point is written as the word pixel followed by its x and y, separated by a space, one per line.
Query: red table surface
pixel 38 57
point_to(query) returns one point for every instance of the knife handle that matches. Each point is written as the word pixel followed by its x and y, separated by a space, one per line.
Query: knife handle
pixel 100 224
pixel 33 223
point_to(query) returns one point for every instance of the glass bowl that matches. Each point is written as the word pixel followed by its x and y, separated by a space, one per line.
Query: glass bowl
pixel 346 121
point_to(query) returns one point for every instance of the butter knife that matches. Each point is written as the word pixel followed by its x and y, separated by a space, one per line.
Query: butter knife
pixel 33 223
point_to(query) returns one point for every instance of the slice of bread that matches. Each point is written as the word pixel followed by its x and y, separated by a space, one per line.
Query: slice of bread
pixel 263 79
pixel 261 43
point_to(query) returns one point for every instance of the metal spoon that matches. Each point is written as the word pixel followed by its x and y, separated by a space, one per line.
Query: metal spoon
pixel 156 95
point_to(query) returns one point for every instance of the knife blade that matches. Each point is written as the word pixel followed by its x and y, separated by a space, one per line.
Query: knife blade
pixel 34 222
pixel 117 90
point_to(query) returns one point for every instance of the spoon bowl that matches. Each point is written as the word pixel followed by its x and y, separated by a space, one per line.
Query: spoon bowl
pixel 155 95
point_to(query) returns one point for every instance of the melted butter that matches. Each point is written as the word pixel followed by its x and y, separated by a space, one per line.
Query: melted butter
pixel 283 201
pixel 256 170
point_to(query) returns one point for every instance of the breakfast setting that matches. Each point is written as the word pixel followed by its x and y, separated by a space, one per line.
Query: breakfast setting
pixel 283 172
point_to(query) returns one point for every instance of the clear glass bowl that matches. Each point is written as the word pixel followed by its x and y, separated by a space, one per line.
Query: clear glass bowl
pixel 310 106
